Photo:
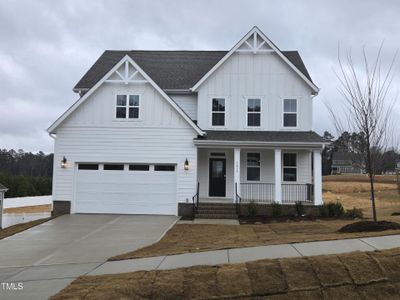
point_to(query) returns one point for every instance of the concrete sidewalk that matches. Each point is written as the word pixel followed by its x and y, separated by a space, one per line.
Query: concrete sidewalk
pixel 239 255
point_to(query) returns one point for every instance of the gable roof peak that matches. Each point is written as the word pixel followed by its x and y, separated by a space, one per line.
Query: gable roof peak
pixel 256 41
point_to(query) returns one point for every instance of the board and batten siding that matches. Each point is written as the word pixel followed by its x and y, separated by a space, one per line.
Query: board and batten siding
pixel 92 134
pixel 265 76
pixel 188 103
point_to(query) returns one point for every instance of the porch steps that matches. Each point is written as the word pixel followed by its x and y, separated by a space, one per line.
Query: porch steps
pixel 216 211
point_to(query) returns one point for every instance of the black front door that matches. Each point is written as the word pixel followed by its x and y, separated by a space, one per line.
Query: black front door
pixel 217 178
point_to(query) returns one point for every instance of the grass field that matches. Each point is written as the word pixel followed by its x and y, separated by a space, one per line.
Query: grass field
pixel 374 275
pixel 353 191
pixel 360 178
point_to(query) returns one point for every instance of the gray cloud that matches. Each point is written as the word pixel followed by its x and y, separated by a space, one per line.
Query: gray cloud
pixel 46 46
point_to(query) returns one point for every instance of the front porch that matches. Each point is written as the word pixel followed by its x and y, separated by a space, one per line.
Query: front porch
pixel 260 174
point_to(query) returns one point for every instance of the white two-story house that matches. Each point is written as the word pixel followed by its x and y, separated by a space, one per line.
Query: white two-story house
pixel 151 129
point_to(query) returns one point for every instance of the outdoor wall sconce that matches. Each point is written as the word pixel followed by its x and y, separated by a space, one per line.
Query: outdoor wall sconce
pixel 186 165
pixel 64 163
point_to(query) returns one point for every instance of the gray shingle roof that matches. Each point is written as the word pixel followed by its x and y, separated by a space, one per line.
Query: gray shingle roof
pixel 263 136
pixel 341 156
pixel 169 69
pixel 2 188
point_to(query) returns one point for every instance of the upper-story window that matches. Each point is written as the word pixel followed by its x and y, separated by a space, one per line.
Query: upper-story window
pixel 218 112
pixel 290 113
pixel 127 107
pixel 253 112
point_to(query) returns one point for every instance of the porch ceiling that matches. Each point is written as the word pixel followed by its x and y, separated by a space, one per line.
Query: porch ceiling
pixel 261 138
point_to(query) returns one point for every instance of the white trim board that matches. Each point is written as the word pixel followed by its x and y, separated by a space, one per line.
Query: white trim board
pixel 126 58
pixel 256 30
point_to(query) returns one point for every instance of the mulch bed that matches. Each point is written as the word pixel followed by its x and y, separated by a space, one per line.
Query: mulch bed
pixel 266 220
pixel 365 226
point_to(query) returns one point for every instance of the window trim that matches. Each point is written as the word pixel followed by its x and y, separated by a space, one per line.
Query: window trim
pixel 297 113
pixel 283 167
pixel 247 111
pixel 259 167
pixel 210 105
pixel 127 106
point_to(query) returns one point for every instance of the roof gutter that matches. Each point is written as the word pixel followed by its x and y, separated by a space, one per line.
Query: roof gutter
pixel 178 91
pixel 203 143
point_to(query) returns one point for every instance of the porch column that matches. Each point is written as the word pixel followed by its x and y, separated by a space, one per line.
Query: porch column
pixel 278 175
pixel 236 173
pixel 317 177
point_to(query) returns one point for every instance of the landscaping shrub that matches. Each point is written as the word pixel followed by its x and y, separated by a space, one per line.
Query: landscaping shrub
pixel 331 209
pixel 323 210
pixel 299 207
pixel 276 209
pixel 252 208
pixel 335 209
pixel 354 213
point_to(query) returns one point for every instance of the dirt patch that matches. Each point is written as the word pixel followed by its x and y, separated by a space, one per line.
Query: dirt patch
pixel 9 231
pixel 355 275
pixel 368 226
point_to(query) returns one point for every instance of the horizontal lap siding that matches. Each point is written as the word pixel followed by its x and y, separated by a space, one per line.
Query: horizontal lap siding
pixel 126 145
pixel 188 103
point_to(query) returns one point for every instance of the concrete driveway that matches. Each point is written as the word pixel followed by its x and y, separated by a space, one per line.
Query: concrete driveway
pixel 46 258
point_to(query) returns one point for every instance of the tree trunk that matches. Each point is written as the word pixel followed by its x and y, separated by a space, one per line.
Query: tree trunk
pixel 371 181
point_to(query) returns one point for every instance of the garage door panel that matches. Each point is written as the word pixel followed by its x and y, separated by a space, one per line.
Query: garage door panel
pixel 130 192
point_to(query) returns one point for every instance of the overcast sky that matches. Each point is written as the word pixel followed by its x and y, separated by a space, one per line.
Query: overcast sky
pixel 46 46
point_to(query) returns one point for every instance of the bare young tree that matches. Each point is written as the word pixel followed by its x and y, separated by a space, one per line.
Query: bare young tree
pixel 366 108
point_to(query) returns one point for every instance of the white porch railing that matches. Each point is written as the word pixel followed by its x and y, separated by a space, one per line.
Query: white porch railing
pixel 265 193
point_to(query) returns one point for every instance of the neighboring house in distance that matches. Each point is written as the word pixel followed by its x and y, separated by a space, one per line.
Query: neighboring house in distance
pixel 342 163
pixel 150 125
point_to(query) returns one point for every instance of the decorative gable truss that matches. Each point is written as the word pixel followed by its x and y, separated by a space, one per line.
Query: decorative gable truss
pixel 126 73
pixel 255 44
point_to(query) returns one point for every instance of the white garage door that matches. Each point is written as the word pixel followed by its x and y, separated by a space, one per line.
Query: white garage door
pixel 126 189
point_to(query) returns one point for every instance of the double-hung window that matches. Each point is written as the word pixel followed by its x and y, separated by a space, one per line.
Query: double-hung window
pixel 290 113
pixel 218 112
pixel 289 167
pixel 127 107
pixel 253 112
pixel 253 166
